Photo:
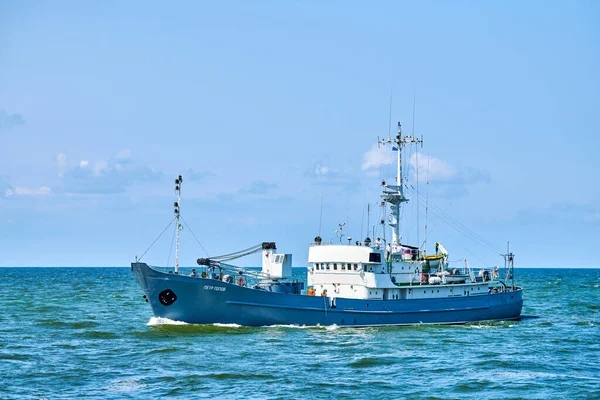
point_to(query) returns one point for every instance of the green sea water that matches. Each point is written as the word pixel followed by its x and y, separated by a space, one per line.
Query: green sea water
pixel 71 332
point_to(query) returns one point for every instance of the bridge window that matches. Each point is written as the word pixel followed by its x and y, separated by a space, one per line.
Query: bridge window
pixel 327 267
pixel 375 257
pixel 335 266
pixel 343 267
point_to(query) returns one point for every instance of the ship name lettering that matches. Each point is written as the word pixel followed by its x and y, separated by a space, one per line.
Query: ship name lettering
pixel 217 288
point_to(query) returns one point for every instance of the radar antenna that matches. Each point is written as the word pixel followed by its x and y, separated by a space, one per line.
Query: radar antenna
pixel 394 194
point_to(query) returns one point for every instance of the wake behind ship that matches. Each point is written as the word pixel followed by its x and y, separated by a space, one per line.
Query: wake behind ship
pixel 362 284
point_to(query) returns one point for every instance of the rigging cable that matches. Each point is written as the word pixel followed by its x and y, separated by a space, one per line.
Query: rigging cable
pixel 453 223
pixel 167 227
pixel 192 232
pixel 237 254
pixel 459 226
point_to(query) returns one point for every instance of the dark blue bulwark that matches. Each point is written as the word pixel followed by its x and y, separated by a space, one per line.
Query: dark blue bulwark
pixel 209 301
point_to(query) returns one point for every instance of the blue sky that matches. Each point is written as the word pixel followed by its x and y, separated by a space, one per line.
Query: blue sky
pixel 266 108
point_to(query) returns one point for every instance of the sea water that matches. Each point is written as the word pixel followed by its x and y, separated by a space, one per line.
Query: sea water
pixel 69 332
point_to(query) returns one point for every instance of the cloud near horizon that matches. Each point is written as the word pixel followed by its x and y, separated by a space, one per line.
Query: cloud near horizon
pixel 320 173
pixel 21 191
pixel 110 176
pixel 8 190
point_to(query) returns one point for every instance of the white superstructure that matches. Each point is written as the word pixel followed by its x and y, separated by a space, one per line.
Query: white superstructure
pixel 397 271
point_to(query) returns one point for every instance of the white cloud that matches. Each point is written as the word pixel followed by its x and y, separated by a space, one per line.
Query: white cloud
pixel 321 170
pixel 437 169
pixel 113 175
pixel 322 174
pixel 20 191
pixel 61 161
pixel 376 157
pixel 99 167
pixel 442 172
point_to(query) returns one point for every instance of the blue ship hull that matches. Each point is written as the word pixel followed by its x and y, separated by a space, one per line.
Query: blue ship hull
pixel 206 301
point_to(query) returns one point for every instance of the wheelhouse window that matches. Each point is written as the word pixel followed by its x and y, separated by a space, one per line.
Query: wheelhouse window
pixel 335 266
pixel 375 257
pixel 343 267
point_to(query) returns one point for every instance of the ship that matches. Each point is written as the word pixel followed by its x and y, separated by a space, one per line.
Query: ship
pixel 367 283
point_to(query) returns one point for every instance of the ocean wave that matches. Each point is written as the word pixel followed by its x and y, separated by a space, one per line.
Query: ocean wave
pixel 126 385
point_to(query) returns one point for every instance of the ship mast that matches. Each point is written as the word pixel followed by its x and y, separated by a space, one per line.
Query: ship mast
pixel 178 226
pixel 394 194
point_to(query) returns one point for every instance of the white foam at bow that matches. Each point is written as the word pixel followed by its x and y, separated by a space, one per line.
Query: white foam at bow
pixel 163 321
